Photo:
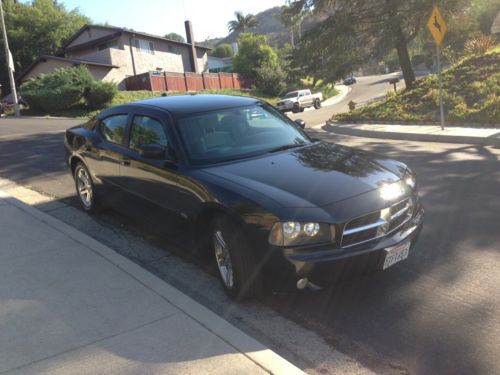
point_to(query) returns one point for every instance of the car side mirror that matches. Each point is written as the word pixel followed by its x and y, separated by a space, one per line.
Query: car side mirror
pixel 153 151
pixel 300 123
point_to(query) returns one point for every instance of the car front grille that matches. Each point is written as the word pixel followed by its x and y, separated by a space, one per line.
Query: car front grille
pixel 377 224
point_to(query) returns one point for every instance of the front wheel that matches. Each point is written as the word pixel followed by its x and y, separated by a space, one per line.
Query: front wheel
pixel 296 108
pixel 235 261
pixel 85 188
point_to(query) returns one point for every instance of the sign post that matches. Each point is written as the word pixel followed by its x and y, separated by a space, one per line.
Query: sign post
pixel 437 27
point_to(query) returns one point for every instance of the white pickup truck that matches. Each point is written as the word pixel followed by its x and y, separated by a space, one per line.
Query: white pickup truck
pixel 296 101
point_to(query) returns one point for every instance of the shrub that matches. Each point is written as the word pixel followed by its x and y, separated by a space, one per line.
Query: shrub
pixel 58 90
pixel 479 44
pixel 223 50
pixel 66 87
pixel 100 94
pixel 270 79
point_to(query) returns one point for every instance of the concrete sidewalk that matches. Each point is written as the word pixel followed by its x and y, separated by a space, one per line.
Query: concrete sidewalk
pixel 425 133
pixel 69 304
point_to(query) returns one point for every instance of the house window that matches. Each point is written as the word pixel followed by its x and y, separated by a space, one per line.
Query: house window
pixel 110 44
pixel 144 46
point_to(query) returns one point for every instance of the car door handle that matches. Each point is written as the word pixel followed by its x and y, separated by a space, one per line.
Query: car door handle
pixel 125 162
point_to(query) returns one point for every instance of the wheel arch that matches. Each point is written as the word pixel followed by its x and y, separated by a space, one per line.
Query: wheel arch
pixel 202 223
pixel 73 161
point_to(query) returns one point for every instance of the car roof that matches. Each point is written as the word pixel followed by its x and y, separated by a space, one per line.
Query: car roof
pixel 181 105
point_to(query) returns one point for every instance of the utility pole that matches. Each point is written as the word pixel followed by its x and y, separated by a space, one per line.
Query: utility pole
pixel 10 63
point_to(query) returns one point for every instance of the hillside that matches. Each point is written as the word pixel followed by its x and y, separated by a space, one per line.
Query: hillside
pixel 471 94
pixel 269 25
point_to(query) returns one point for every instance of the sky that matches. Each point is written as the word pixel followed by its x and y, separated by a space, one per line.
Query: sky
pixel 160 17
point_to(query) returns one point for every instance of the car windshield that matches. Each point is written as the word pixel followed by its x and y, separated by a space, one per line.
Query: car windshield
pixel 291 95
pixel 237 133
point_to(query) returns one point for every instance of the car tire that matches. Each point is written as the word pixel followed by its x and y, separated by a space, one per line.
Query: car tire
pixel 317 104
pixel 85 189
pixel 296 108
pixel 234 260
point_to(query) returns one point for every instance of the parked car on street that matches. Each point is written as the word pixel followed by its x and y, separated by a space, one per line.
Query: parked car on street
pixel 248 187
pixel 349 80
pixel 297 101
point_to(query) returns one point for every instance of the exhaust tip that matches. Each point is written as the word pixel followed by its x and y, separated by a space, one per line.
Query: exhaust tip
pixel 302 283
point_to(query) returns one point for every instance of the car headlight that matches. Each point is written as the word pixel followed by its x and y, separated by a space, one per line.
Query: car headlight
pixel 293 233
pixel 410 179
pixel 392 191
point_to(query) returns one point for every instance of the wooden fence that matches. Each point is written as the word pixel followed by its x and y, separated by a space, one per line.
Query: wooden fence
pixel 169 81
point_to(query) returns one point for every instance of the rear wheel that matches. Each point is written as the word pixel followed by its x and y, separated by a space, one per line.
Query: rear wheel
pixel 238 270
pixel 85 188
pixel 317 104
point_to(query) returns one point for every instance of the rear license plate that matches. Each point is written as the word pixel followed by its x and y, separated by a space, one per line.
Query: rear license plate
pixel 396 254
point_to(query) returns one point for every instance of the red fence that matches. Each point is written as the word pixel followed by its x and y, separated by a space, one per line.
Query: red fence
pixel 168 81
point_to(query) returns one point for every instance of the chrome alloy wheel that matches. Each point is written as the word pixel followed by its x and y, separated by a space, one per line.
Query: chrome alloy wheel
pixel 84 186
pixel 223 260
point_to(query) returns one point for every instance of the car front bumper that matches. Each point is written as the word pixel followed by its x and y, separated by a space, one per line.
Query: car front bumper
pixel 322 264
pixel 284 107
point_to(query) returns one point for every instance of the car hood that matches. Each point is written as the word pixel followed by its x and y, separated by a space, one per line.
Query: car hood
pixel 315 175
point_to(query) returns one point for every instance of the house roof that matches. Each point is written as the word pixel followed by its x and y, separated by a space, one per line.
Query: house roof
pixel 44 58
pixel 118 30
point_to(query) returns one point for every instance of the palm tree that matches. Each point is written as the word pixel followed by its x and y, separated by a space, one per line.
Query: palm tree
pixel 242 23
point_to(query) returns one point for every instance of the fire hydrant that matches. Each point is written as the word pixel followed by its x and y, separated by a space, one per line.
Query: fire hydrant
pixel 352 105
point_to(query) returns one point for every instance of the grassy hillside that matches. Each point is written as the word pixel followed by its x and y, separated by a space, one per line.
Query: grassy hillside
pixel 471 94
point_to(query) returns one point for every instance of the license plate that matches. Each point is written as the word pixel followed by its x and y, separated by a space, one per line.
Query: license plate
pixel 396 254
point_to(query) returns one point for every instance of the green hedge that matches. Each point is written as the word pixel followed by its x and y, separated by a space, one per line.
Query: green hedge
pixel 67 88
pixel 100 94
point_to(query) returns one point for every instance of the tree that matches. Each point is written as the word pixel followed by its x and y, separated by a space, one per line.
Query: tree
pixel 35 29
pixel 326 54
pixel 176 37
pixel 256 59
pixel 242 23
pixel 253 52
pixel 223 50
pixel 292 20
pixel 377 26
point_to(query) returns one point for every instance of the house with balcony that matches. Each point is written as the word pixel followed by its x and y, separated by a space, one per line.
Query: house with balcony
pixel 113 54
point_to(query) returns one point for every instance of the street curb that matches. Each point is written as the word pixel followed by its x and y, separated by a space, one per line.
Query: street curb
pixel 339 129
pixel 251 348
pixel 338 98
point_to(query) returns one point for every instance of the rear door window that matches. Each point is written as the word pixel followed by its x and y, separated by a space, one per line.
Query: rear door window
pixel 112 128
pixel 147 131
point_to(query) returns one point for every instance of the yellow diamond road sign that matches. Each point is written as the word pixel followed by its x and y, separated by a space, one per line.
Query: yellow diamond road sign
pixel 436 25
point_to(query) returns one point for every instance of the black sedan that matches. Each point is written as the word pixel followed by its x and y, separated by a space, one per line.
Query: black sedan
pixel 349 80
pixel 248 187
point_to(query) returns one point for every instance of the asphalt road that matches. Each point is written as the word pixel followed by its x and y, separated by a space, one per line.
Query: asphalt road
pixel 366 89
pixel 435 313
